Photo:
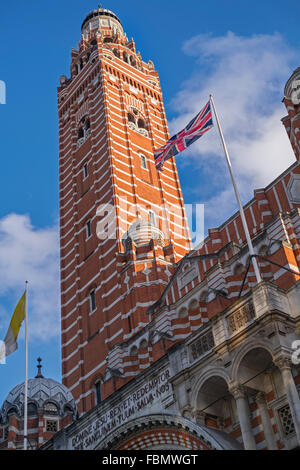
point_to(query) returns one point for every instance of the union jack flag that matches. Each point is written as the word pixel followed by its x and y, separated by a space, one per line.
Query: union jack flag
pixel 179 142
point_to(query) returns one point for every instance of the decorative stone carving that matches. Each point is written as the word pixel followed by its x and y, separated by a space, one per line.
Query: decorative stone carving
pixel 286 419
pixel 260 398
pixel 294 188
pixel 203 344
pixel 283 363
pixel 238 391
pixel 295 94
pixel 109 373
pixel 240 318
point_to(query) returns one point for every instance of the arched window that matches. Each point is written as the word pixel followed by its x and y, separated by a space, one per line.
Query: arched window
pixel 132 61
pixel 116 53
pixel 92 301
pixel 32 409
pixel 50 408
pixel 107 40
pixel 85 170
pixel 141 124
pixel 143 162
pixel 80 134
pixel 87 125
pixel 144 344
pixel 125 57
pixel 131 118
pixel 93 43
pixel 88 228
pixel 133 351
pixel 12 410
pixel 183 312
pixel 98 393
pixel 193 305
pixel 152 218
pixel 203 296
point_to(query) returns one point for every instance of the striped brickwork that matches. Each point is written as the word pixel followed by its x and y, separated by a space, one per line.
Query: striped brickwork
pixel 100 164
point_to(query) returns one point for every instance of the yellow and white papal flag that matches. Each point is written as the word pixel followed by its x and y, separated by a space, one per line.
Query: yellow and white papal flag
pixel 9 345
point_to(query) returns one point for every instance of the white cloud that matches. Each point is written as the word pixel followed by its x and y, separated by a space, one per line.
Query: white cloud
pixel 30 254
pixel 246 75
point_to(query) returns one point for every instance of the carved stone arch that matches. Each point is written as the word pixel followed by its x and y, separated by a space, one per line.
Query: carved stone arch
pixel 206 375
pixel 248 346
pixel 142 432
pixel 12 409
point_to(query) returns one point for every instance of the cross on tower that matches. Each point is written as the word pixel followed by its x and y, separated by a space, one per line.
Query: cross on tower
pixel 39 374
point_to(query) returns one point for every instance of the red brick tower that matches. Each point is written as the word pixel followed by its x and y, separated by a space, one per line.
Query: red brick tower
pixel 111 118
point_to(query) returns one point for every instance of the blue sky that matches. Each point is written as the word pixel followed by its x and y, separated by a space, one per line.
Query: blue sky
pixel 243 52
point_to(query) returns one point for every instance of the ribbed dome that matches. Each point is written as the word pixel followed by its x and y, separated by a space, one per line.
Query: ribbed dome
pixel 100 12
pixel 142 232
pixel 40 391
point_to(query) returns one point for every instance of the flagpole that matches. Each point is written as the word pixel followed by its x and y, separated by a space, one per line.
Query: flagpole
pixel 242 214
pixel 26 369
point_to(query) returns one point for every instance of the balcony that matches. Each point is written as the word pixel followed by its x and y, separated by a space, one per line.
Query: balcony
pixel 140 130
pixel 234 321
pixel 83 139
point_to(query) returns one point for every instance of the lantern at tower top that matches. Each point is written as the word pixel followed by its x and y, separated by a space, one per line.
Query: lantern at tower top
pixel 100 19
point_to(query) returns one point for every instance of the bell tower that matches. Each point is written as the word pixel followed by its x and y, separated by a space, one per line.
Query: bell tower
pixel 122 224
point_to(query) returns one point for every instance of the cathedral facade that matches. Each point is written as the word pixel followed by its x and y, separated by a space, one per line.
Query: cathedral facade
pixel 165 346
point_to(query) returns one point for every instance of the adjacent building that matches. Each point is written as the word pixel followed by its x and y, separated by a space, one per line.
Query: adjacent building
pixel 51 407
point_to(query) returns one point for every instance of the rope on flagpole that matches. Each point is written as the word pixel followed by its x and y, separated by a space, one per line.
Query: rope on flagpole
pixel 26 370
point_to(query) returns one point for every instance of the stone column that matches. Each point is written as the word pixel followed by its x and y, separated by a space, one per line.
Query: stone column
pixel 266 421
pixel 200 418
pixel 284 365
pixel 239 394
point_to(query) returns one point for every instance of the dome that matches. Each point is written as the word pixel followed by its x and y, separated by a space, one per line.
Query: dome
pixel 292 83
pixel 141 232
pixel 40 392
pixel 104 13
